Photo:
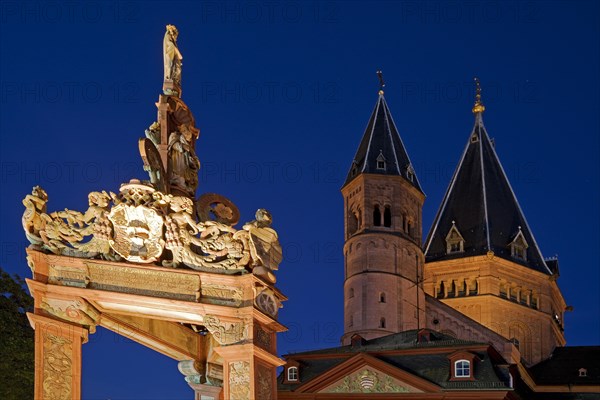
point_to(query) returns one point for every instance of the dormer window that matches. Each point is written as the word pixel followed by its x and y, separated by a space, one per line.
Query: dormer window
pixel 354 169
pixel 518 247
pixel 292 374
pixel 582 372
pixel 462 369
pixel 455 243
pixel 380 161
pixel 462 366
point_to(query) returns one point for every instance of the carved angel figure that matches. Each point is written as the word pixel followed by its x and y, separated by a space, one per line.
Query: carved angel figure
pixel 171 55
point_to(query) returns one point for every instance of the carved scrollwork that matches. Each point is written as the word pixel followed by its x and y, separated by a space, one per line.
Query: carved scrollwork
pixel 75 310
pixel 57 364
pixel 225 332
pixel 239 380
pixel 140 223
pixel 264 387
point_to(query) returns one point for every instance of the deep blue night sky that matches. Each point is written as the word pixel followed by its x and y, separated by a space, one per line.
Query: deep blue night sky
pixel 281 93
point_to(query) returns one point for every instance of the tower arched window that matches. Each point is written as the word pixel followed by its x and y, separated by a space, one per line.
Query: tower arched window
pixel 353 222
pixel 376 216
pixel 441 290
pixel 382 297
pixel 382 322
pixel 452 291
pixel 387 217
pixel 473 287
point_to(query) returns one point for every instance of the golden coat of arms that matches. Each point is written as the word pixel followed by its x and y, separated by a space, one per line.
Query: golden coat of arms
pixel 137 233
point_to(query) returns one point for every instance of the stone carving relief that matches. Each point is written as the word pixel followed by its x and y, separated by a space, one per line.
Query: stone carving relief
pixel 57 364
pixel 264 385
pixel 262 338
pixel 143 225
pixel 267 302
pixel 221 294
pixel 239 380
pixel 368 381
pixel 74 310
pixel 225 332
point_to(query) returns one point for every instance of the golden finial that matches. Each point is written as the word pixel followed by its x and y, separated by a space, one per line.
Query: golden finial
pixel 381 82
pixel 478 107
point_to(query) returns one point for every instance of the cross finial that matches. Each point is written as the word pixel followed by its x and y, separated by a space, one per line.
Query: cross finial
pixel 478 107
pixel 381 82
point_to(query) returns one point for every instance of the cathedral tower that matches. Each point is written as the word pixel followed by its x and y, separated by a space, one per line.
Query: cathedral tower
pixel 382 252
pixel 483 260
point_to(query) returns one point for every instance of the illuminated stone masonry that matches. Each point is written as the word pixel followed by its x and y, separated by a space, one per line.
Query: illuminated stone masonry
pixel 159 266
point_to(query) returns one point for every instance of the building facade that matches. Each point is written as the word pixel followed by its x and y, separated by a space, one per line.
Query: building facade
pixel 474 312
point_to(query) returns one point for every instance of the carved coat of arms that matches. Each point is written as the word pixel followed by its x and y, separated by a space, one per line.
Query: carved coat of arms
pixel 137 233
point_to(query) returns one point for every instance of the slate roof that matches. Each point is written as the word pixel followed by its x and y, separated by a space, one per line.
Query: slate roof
pixel 484 207
pixel 562 368
pixel 431 366
pixel 381 140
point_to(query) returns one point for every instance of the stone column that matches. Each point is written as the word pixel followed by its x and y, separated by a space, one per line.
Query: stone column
pixel 57 358
pixel 249 372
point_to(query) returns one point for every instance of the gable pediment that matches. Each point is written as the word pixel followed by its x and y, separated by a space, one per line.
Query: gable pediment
pixel 364 373
pixel 369 380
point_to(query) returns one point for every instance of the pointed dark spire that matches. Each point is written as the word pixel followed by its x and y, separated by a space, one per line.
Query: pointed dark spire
pixel 482 205
pixel 381 150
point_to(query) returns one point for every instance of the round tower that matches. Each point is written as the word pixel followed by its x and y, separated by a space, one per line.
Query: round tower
pixel 383 259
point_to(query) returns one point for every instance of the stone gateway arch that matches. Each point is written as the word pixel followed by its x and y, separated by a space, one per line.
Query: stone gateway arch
pixel 159 266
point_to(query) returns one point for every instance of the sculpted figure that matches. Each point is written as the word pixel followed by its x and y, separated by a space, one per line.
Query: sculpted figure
pixel 200 245
pixel 95 221
pixel 35 206
pixel 171 55
pixel 263 243
pixel 153 133
pixel 184 164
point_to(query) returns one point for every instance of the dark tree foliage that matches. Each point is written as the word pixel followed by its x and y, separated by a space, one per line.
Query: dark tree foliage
pixel 16 339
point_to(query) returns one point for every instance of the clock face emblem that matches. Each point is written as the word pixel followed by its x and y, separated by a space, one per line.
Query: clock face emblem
pixel 267 303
